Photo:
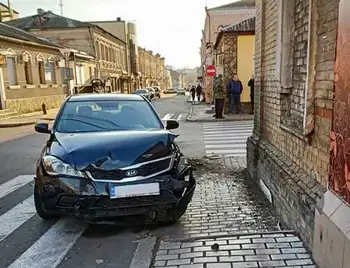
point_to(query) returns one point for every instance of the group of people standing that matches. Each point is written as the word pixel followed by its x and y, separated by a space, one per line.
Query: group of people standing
pixel 196 91
pixel 234 89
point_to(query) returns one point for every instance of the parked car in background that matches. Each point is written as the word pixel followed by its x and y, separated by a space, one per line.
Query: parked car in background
pixel 157 91
pixel 170 91
pixel 180 91
pixel 143 92
pixel 110 156
pixel 152 92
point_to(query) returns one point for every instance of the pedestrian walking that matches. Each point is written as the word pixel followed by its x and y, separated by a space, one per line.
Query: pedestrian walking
pixel 193 93
pixel 219 96
pixel 251 85
pixel 199 92
pixel 234 91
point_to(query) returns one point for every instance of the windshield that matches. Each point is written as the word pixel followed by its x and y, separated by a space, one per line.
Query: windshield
pixel 140 91
pixel 108 115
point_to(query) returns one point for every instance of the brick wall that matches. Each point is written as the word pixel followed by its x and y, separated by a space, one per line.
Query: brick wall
pixel 294 166
pixel 301 21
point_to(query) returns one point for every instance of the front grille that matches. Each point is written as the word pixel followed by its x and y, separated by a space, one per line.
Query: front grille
pixel 118 174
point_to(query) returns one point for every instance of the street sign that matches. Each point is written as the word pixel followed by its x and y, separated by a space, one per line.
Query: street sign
pixel 211 70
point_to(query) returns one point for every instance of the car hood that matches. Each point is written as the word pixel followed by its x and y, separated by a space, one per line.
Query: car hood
pixel 110 150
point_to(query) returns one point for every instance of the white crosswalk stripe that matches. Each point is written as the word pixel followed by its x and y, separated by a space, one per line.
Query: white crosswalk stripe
pixel 227 138
pixel 178 117
pixel 50 249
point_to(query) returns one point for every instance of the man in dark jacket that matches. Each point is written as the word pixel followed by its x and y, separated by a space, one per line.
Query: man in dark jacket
pixel 193 93
pixel 251 85
pixel 199 92
pixel 234 91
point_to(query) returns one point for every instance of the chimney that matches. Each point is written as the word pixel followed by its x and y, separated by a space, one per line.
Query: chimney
pixel 119 19
pixel 40 11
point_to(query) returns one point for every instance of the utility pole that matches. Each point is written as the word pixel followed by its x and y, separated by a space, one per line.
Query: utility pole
pixel 61 6
pixel 10 9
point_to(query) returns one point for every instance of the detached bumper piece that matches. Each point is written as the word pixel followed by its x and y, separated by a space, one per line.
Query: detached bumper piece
pixel 69 196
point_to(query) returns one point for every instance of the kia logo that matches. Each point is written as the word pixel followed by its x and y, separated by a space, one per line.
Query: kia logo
pixel 131 173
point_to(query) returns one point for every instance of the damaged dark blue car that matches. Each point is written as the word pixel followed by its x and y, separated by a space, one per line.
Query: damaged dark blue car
pixel 109 156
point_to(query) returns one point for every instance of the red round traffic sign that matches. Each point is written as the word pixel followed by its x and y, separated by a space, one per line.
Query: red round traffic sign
pixel 211 70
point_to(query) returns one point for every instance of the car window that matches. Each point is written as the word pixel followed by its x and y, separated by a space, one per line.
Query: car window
pixel 140 91
pixel 108 115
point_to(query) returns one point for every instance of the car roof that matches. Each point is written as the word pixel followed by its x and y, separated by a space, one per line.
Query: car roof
pixel 105 97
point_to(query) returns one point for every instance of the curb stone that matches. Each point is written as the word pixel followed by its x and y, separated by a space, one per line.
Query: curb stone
pixel 24 123
pixel 189 119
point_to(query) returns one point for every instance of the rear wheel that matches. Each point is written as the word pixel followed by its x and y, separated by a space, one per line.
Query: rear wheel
pixel 45 215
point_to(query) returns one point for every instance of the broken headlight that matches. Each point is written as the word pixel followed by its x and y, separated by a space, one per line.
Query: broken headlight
pixel 53 166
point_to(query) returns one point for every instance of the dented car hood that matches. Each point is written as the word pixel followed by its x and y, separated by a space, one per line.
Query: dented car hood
pixel 110 150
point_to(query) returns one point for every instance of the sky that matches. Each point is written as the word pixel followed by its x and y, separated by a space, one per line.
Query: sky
pixel 172 28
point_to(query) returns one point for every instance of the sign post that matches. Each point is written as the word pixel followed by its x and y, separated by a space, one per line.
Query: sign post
pixel 211 72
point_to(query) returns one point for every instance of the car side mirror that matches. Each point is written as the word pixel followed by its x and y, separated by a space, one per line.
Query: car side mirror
pixel 172 124
pixel 42 128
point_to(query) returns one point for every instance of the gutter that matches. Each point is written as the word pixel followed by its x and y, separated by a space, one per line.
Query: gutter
pixel 27 42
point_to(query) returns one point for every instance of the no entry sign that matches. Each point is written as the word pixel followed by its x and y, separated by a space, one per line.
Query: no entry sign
pixel 211 70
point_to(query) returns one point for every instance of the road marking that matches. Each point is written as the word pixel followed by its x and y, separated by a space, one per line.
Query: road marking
pixel 12 185
pixel 51 248
pixel 226 146
pixel 181 117
pixel 167 117
pixel 227 138
pixel 16 216
pixel 234 131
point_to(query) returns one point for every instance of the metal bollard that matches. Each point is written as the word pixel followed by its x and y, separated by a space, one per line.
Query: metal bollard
pixel 43 108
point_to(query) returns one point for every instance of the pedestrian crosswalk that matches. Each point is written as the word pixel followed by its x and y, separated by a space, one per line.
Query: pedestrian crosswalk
pixel 227 138
pixel 175 116
pixel 47 249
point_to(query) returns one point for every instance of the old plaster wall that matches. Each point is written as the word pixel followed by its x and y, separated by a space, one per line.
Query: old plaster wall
pixel 24 98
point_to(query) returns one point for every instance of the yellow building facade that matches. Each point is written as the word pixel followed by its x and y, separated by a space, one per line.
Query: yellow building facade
pixel 234 54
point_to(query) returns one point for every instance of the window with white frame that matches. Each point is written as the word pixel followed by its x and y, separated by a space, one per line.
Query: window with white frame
pixel 80 76
pixel 11 69
pixel 27 62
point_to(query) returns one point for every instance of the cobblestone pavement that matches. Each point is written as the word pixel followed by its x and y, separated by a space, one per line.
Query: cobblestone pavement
pixel 259 250
pixel 229 223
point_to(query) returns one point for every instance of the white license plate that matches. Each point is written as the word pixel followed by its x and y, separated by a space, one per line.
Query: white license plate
pixel 134 190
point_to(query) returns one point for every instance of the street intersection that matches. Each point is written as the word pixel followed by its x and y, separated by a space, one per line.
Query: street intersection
pixel 228 224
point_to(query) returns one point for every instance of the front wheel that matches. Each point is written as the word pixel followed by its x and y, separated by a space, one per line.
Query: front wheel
pixel 45 215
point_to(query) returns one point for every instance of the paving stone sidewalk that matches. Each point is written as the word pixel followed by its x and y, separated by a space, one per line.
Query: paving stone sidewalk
pixel 229 210
pixel 197 114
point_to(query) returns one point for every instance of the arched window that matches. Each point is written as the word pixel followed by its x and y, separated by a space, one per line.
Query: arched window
pixel 27 64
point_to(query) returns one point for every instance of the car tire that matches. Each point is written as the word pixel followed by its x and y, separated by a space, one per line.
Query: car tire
pixel 42 213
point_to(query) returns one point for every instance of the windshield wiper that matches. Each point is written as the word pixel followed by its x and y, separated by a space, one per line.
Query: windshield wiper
pixel 81 121
pixel 100 119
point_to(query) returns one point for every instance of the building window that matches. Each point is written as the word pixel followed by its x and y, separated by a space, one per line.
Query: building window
pixel 106 54
pixel 41 70
pixel 28 72
pixel 50 72
pixel 11 68
pixel 97 48
pixel 80 76
pixel 103 52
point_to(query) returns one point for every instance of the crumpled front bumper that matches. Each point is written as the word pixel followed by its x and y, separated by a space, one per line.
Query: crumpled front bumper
pixel 90 200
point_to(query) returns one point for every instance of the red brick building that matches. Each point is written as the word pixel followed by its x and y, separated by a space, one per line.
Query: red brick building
pixel 302 98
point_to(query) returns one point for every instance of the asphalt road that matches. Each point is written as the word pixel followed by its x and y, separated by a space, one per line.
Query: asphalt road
pixel 27 241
